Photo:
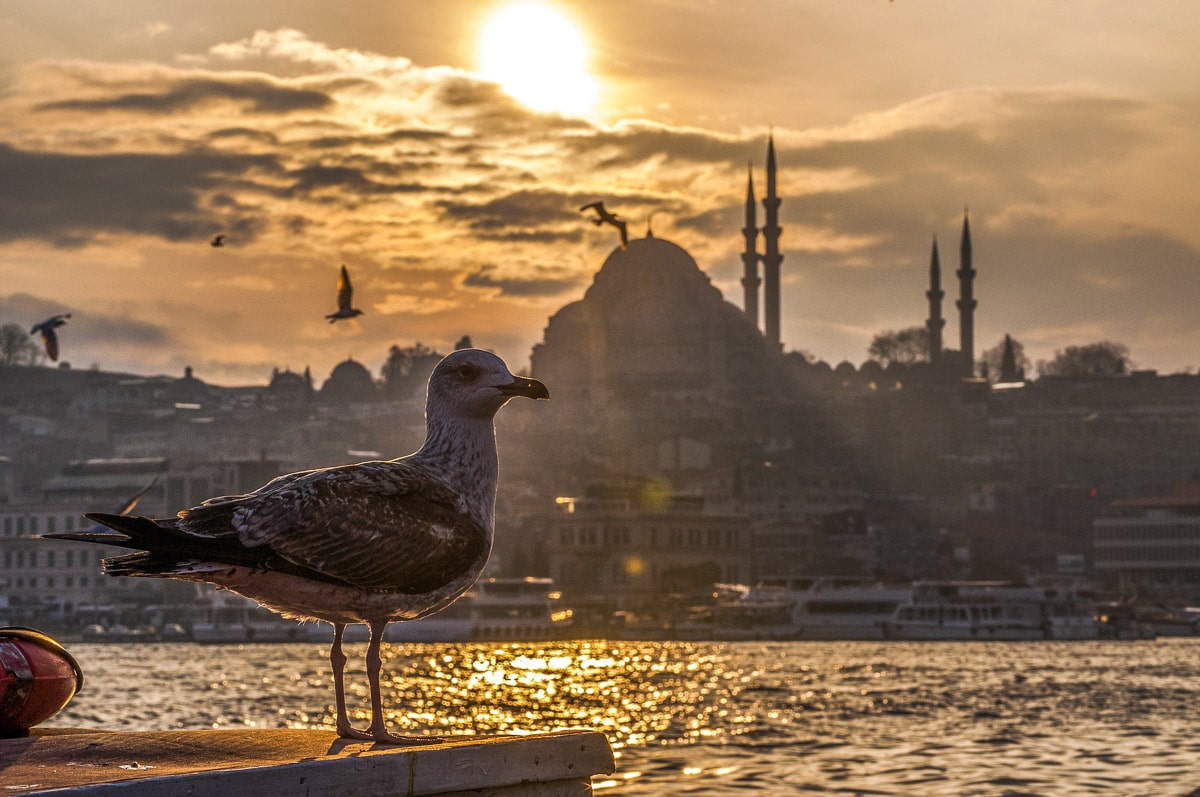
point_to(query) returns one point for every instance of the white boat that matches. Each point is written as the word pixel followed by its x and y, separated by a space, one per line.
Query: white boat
pixel 842 607
pixel 225 618
pixel 1072 624
pixel 495 609
pixel 970 610
pixel 760 612
pixel 1071 613
pixel 1163 621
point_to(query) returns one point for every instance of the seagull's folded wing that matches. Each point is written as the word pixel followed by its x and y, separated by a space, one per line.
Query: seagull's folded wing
pixel 382 526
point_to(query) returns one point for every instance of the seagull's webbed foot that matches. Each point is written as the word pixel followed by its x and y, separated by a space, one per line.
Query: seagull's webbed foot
pixel 382 735
pixel 348 731
pixel 378 730
pixel 337 660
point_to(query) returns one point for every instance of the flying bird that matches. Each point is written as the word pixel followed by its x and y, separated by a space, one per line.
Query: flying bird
pixel 367 543
pixel 49 336
pixel 605 217
pixel 345 298
pixel 218 240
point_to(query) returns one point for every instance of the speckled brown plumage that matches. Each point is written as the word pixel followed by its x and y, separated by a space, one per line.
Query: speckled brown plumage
pixel 370 542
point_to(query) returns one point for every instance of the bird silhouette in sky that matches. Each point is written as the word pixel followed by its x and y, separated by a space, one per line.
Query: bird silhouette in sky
pixel 605 217
pixel 49 336
pixel 345 299
pixel 218 240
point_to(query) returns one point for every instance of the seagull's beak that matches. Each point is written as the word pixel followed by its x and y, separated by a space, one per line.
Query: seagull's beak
pixel 523 386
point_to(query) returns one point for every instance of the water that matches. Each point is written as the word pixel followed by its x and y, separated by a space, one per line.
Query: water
pixel 849 718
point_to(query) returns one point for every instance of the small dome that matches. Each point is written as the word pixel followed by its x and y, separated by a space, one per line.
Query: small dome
pixel 282 380
pixel 349 381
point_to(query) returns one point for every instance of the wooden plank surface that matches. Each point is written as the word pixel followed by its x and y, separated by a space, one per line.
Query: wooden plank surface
pixel 224 763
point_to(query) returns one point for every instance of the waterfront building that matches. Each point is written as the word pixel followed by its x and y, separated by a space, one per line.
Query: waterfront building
pixel 1150 546
pixel 631 544
pixel 40 578
pixel 102 484
pixel 804 514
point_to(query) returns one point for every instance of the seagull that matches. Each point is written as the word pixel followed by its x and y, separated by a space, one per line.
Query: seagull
pixel 218 240
pixel 49 336
pixel 367 543
pixel 345 298
pixel 605 217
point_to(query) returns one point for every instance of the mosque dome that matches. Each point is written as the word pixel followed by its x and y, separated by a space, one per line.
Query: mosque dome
pixel 349 381
pixel 286 379
pixel 651 319
pixel 289 389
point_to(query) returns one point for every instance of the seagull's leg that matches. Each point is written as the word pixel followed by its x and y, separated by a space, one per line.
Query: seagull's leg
pixel 378 730
pixel 337 659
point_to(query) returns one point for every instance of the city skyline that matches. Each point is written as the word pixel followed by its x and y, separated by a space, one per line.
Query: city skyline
pixel 375 137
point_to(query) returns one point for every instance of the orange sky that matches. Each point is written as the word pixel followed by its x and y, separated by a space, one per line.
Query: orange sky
pixel 364 133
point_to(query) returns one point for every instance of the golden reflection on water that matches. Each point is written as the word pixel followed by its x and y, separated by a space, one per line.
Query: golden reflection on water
pixel 630 692
pixel 889 718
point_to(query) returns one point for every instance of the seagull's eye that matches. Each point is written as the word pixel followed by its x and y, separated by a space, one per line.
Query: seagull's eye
pixel 467 371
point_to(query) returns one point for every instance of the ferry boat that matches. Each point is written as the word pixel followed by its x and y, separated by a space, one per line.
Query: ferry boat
pixel 840 607
pixel 970 610
pixel 760 612
pixel 495 609
pixel 1071 613
pixel 226 617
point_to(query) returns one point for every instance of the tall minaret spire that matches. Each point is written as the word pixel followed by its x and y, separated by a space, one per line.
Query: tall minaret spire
pixel 935 322
pixel 966 302
pixel 750 281
pixel 771 258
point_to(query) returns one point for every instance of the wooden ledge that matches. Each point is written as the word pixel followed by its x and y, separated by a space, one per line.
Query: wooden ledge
pixel 224 763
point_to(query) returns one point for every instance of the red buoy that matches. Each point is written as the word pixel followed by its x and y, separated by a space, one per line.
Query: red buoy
pixel 38 677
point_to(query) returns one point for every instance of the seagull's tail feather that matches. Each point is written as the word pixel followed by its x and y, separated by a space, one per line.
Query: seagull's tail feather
pixel 142 532
pixel 127 531
pixel 162 550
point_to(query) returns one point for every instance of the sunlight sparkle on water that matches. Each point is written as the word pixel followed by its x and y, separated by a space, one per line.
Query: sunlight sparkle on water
pixel 732 716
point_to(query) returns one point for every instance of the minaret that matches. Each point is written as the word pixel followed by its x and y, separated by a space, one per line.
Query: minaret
pixel 750 281
pixel 966 302
pixel 771 258
pixel 935 322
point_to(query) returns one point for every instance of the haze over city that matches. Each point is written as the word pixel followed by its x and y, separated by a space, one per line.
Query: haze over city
pixel 442 150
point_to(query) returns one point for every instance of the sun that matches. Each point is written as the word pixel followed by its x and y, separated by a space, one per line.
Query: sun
pixel 539 56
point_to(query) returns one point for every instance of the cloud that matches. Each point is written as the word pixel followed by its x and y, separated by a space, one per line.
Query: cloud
pixel 68 199
pixel 256 95
pixel 360 157
pixel 523 209
pixel 85 324
pixel 310 179
pixel 289 44
pixel 545 281
pixel 246 134
pixel 407 304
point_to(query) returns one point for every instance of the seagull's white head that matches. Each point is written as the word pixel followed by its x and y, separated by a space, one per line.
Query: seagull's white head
pixel 473 383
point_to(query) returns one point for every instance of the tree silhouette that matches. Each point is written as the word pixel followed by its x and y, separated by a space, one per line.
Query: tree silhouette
pixel 993 358
pixel 407 368
pixel 904 347
pixel 17 348
pixel 1104 358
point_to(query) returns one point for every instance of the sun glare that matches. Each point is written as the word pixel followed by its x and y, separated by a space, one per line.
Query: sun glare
pixel 539 56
